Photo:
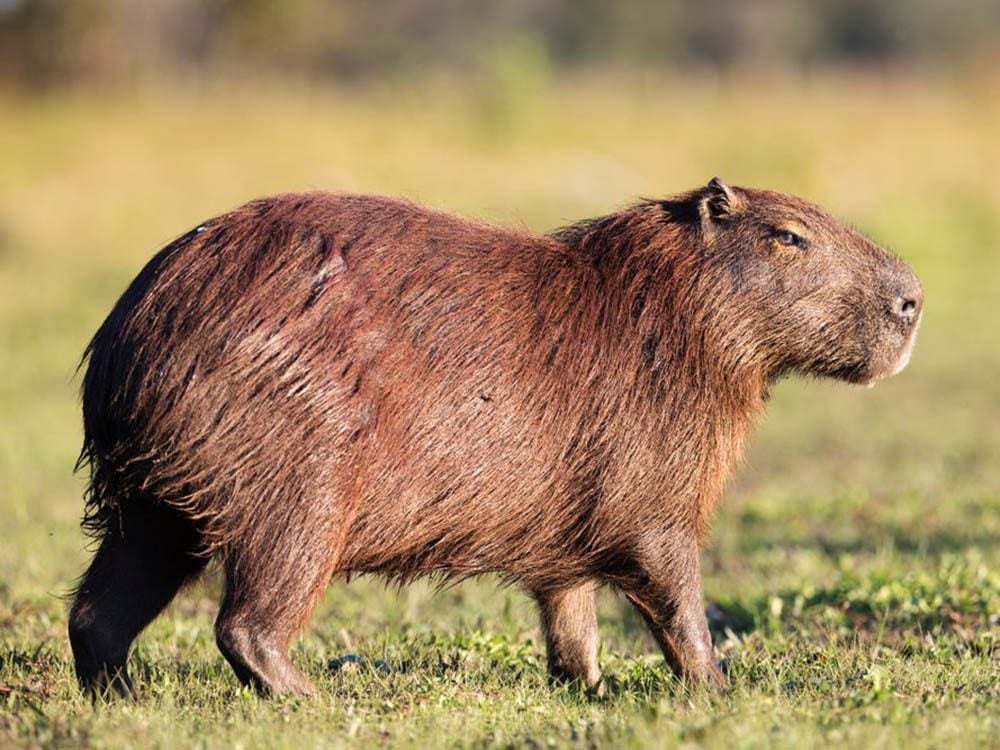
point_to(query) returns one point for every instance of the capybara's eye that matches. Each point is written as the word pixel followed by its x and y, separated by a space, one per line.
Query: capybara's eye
pixel 789 238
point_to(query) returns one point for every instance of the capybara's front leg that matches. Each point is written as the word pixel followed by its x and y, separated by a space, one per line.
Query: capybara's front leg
pixel 667 593
pixel 569 621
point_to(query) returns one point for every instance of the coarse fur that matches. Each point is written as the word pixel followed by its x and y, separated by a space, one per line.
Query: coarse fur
pixel 317 385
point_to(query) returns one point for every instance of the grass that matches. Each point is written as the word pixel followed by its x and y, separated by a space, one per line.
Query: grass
pixel 852 581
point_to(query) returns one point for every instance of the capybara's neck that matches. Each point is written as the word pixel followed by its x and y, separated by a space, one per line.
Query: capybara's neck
pixel 691 374
pixel 660 293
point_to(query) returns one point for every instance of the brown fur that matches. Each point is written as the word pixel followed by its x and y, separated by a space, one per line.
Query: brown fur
pixel 318 385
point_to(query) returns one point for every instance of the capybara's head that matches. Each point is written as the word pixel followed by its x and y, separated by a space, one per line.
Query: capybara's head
pixel 827 300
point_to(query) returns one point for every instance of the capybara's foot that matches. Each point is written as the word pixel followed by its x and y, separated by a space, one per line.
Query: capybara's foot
pixel 598 689
pixel 259 663
pixel 109 683
pixel 99 672
pixel 708 675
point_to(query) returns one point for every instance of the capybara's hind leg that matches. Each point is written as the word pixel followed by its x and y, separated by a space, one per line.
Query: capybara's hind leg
pixel 569 621
pixel 270 592
pixel 143 560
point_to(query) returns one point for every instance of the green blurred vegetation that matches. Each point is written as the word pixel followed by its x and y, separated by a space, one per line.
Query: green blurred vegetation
pixel 121 42
pixel 852 579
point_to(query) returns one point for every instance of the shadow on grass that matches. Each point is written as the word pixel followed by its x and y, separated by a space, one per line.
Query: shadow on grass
pixel 905 542
pixel 953 601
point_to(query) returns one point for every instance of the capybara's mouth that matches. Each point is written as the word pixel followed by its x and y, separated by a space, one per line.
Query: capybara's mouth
pixel 907 352
pixel 897 363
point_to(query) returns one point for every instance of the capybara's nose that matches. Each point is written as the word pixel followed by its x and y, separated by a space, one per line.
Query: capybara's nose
pixel 907 305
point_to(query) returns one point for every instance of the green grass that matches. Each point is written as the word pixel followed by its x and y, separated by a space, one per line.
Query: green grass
pixel 852 580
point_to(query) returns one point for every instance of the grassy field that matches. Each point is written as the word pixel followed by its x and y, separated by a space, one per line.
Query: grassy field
pixel 853 579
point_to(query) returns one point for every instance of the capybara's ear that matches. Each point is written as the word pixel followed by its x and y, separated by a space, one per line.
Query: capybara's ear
pixel 719 201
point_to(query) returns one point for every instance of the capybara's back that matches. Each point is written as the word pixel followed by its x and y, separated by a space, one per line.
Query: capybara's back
pixel 322 384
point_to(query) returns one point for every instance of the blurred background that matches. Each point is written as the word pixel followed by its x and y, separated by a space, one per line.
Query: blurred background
pixel 123 123
pixel 114 42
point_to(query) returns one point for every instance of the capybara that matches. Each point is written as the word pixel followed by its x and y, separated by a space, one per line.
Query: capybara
pixel 320 385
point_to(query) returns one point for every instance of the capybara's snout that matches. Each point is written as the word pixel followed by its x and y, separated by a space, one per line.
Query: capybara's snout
pixel 906 294
pixel 905 305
